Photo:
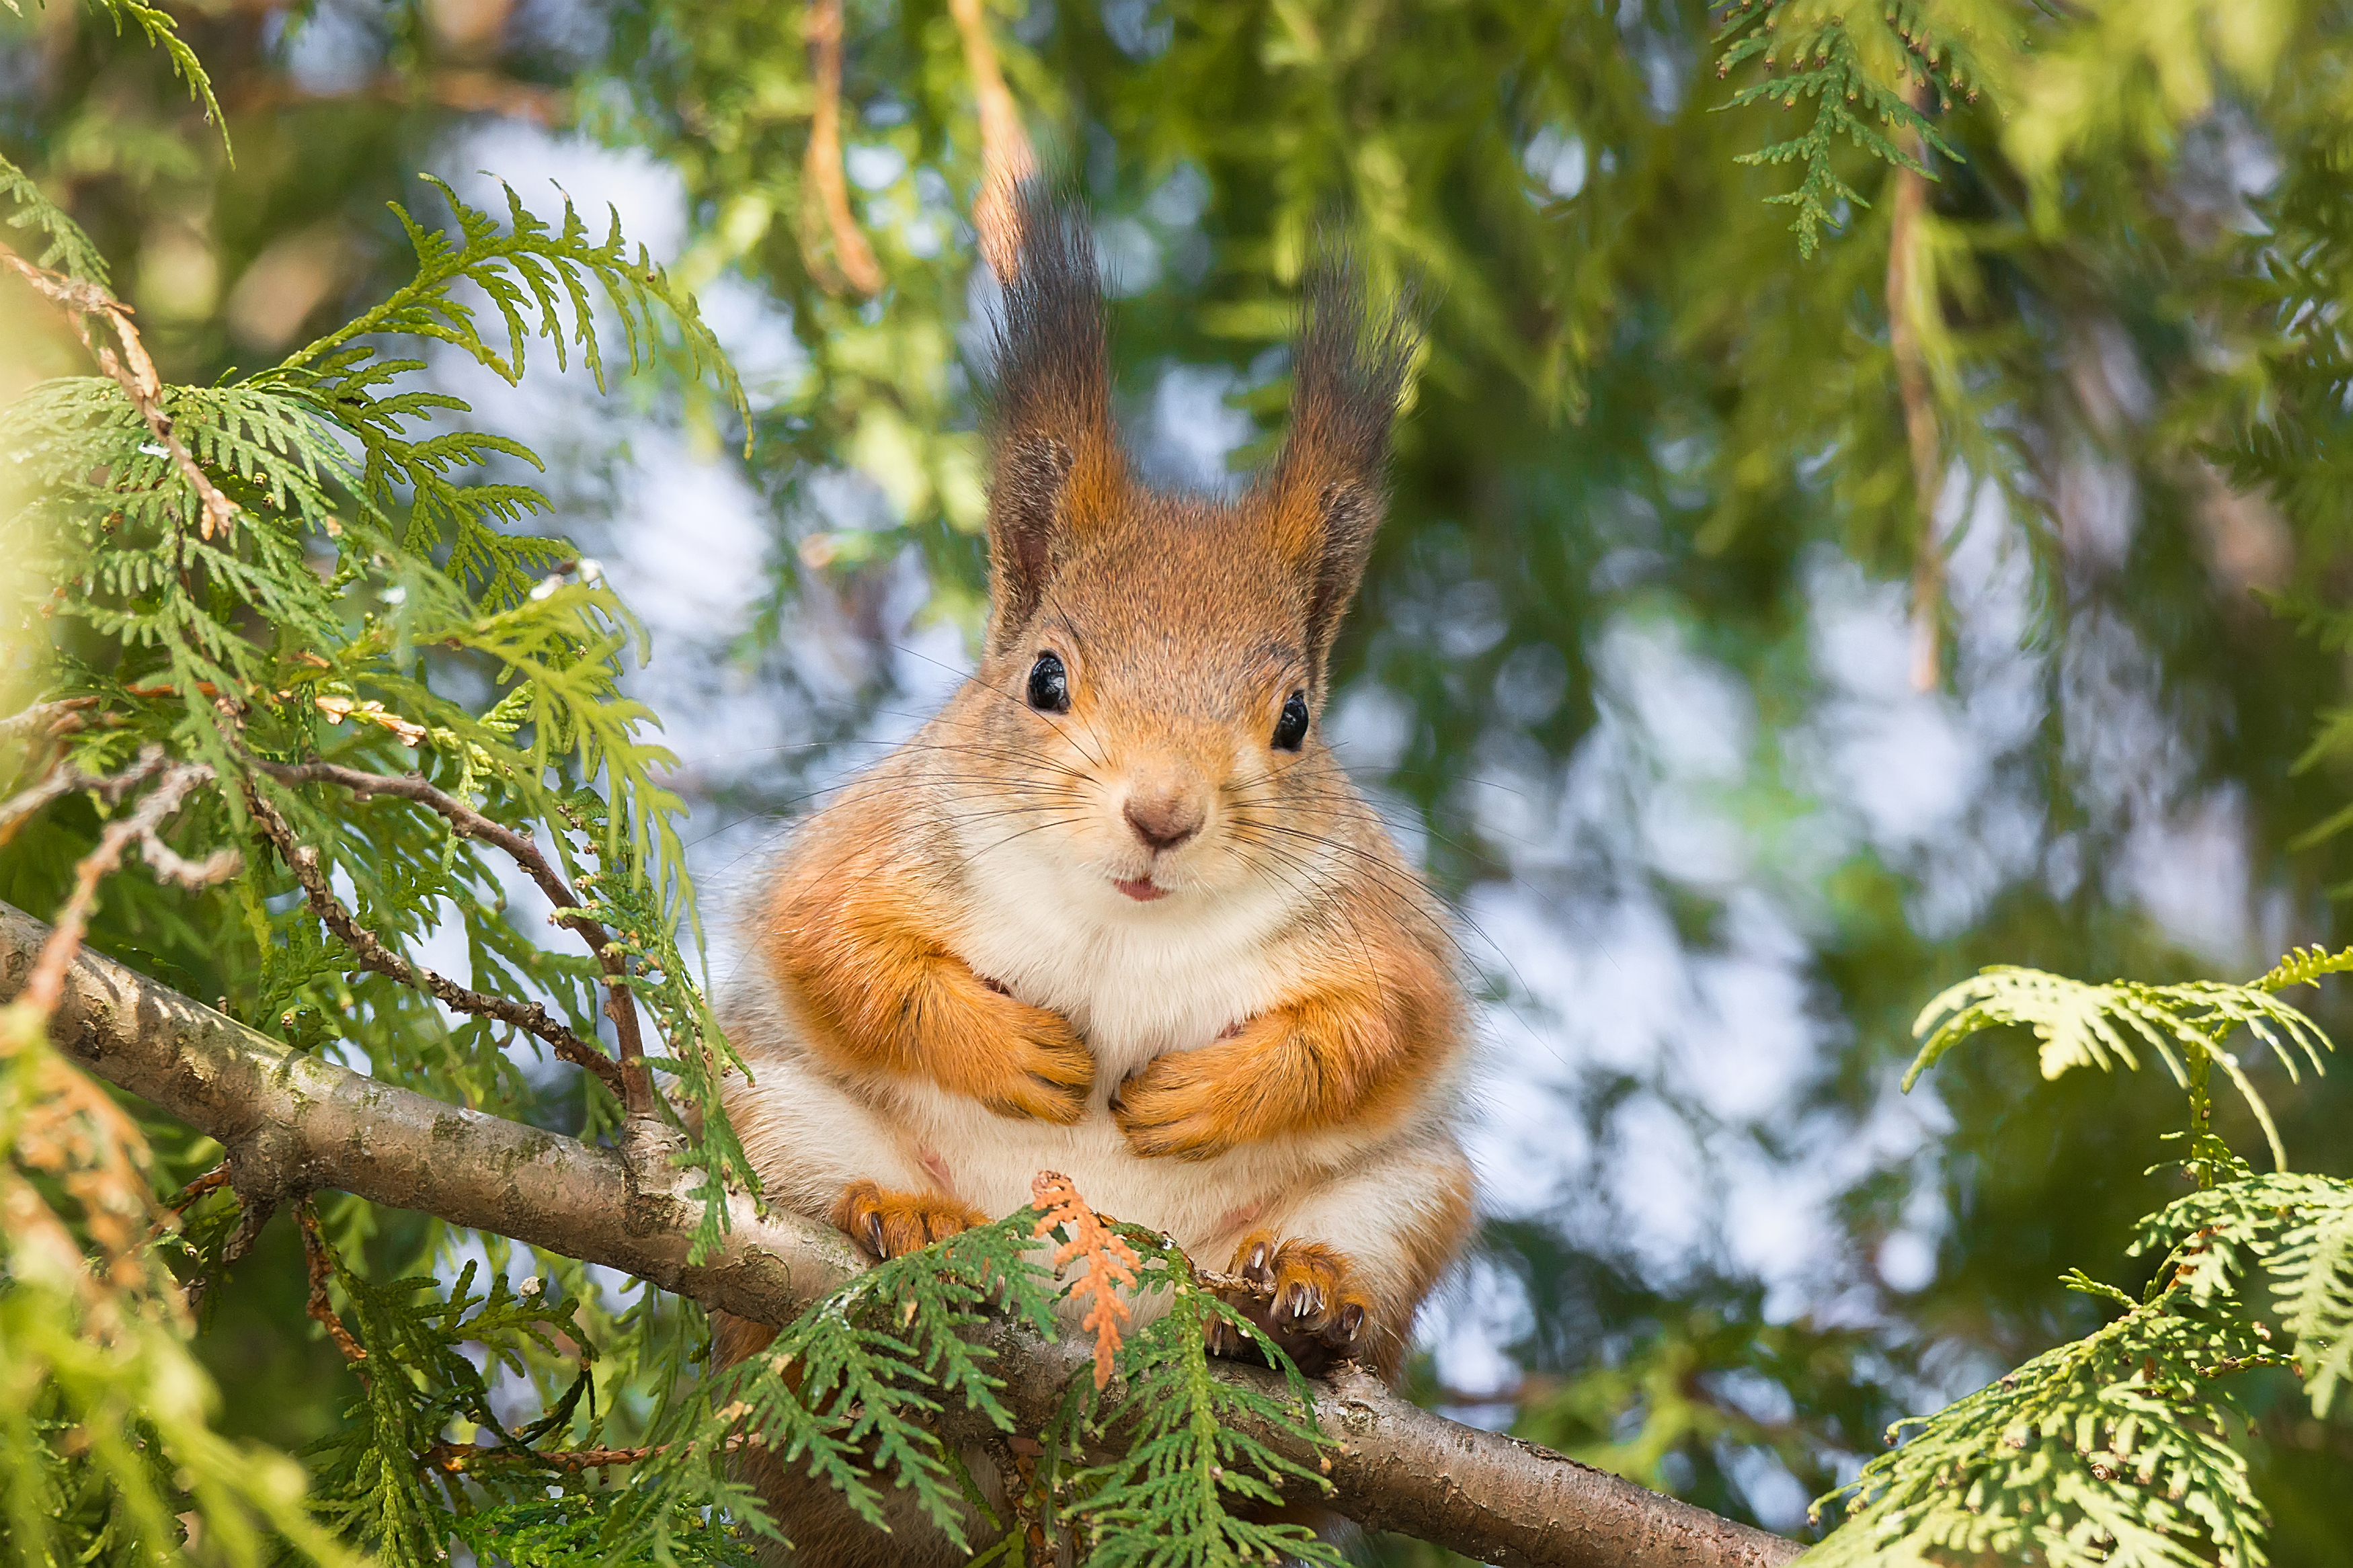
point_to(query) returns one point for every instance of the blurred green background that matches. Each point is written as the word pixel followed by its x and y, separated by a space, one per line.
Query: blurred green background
pixel 1633 669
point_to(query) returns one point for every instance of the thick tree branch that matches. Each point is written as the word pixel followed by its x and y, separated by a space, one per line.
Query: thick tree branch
pixel 293 1123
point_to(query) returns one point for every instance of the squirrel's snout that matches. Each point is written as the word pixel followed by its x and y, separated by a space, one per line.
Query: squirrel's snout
pixel 1165 820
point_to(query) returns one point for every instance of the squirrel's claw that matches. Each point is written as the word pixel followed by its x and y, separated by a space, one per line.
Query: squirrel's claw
pixel 1305 1297
pixel 890 1224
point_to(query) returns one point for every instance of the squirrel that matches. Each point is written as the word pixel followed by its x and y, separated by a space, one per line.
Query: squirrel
pixel 1116 911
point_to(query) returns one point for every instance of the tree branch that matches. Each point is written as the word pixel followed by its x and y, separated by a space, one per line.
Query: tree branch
pixel 293 1122
pixel 1006 158
pixel 852 254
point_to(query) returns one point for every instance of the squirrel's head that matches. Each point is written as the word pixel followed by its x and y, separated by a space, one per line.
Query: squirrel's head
pixel 1162 659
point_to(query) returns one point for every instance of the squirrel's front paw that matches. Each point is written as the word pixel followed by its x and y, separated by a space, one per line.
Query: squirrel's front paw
pixel 1049 1072
pixel 890 1225
pixel 1176 1105
pixel 1318 1314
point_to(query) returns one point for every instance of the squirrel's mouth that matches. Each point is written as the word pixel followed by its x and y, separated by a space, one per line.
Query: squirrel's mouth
pixel 1143 890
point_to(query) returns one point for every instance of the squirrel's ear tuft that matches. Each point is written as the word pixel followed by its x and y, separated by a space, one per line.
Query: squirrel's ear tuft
pixel 1328 491
pixel 1055 462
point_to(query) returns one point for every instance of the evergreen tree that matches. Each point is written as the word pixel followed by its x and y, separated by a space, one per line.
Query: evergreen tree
pixel 2023 317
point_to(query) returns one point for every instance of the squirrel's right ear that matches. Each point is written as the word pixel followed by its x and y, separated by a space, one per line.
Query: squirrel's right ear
pixel 1055 462
pixel 1327 491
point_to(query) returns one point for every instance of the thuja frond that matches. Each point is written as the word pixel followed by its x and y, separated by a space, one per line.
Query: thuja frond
pixel 2313 1264
pixel 2117 1449
pixel 66 247
pixel 267 584
pixel 1169 1499
pixel 1857 65
pixel 418 1383
pixel 163 32
pixel 2079 1025
pixel 2297 1228
pixel 844 1392
pixel 1111 1263
pixel 535 275
pixel 2305 967
pixel 2112 1451
pixel 634 910
pixel 570 1532
pixel 546 281
pixel 1156 1472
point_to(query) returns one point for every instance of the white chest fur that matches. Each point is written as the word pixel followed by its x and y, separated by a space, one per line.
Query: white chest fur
pixel 1137 979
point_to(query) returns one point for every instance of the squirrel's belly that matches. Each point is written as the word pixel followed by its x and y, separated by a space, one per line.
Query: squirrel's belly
pixel 989 1162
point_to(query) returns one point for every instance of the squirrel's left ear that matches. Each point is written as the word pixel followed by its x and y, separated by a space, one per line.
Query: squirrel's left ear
pixel 1056 463
pixel 1327 494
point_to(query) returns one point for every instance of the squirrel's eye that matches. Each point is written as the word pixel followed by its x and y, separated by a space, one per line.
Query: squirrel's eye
pixel 1291 729
pixel 1050 685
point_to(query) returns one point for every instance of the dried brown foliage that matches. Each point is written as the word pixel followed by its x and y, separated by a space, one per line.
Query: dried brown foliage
pixel 1110 1262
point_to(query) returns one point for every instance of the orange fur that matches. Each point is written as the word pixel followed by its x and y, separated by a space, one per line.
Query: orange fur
pixel 1343 1056
pixel 880 993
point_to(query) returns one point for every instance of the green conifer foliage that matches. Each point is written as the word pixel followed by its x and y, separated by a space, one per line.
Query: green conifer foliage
pixel 300 643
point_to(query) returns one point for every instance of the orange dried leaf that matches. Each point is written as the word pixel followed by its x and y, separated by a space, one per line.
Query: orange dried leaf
pixel 1110 1262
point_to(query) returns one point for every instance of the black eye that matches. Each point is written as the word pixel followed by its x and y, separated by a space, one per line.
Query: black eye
pixel 1050 685
pixel 1291 729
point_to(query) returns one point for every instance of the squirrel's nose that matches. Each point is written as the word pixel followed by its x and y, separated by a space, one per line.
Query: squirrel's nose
pixel 1165 821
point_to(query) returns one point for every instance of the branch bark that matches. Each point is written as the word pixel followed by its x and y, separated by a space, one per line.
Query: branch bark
pixel 293 1123
pixel 852 254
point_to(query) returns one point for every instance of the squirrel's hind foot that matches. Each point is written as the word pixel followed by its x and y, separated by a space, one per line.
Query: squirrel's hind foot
pixel 1318 1314
pixel 890 1223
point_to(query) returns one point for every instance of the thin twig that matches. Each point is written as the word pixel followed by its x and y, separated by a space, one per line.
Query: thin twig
pixel 49 719
pixel 46 982
pixel 1006 157
pixel 374 955
pixel 134 371
pixel 1904 309
pixel 322 1267
pixel 73 1130
pixel 852 254
pixel 456 1458
pixel 635 1082
pixel 63 779
pixel 1016 1472
pixel 173 1207
pixel 1231 1284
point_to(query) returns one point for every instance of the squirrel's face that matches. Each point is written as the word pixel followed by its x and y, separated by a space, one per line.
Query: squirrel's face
pixel 1155 664
pixel 1155 715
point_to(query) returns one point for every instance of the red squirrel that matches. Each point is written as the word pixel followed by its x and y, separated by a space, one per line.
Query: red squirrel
pixel 1116 912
